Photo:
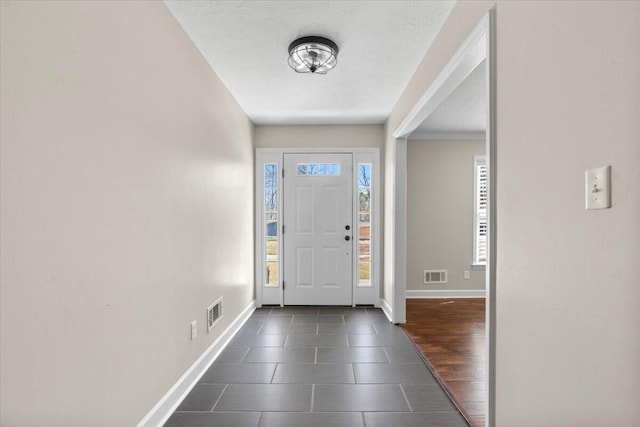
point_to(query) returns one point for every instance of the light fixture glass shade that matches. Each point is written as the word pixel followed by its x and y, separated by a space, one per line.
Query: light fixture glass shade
pixel 313 54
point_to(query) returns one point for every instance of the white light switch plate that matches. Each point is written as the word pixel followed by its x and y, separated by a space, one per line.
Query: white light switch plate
pixel 194 329
pixel 597 187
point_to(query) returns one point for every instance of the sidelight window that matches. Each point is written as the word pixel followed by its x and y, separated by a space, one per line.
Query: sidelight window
pixel 364 224
pixel 271 224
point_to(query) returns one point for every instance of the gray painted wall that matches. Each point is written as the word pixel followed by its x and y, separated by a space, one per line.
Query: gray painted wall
pixel 122 153
pixel 440 213
pixel 311 136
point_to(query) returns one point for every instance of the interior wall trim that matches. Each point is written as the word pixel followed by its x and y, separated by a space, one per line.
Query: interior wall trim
pixel 447 136
pixel 464 61
pixel 162 410
pixel 446 293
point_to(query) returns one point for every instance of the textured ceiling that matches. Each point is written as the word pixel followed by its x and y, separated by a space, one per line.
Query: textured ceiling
pixel 463 112
pixel 381 43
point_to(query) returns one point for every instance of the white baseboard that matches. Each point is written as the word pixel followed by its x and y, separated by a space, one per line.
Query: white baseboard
pixel 446 293
pixel 386 309
pixel 161 412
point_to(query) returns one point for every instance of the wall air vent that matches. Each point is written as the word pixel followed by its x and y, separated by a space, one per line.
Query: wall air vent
pixel 214 313
pixel 435 276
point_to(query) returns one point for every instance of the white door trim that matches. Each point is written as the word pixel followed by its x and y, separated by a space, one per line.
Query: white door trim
pixel 270 295
pixel 479 45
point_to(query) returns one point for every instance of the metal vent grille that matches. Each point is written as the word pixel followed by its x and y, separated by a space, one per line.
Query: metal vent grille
pixel 214 313
pixel 435 276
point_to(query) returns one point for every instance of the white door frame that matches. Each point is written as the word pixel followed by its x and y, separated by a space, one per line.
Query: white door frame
pixel 480 45
pixel 274 295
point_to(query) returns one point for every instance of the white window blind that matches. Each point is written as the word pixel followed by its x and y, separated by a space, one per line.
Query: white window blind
pixel 480 211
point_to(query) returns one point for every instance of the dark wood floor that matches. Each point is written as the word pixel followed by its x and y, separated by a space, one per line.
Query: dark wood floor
pixel 450 334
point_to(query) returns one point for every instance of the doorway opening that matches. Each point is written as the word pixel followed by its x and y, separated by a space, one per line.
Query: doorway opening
pixel 476 54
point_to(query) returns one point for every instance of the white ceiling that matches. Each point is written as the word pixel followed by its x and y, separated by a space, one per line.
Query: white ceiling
pixel 462 114
pixel 381 44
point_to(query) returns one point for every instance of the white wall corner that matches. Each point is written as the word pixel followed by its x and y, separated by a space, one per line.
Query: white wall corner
pixel 161 412
pixel 386 309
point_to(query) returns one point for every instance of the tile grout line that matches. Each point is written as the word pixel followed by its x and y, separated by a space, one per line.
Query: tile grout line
pixel 219 397
pixel 274 373
pixel 364 423
pixel 384 350
pixel 315 357
pixel 246 353
pixel 353 369
pixel 313 395
pixel 405 397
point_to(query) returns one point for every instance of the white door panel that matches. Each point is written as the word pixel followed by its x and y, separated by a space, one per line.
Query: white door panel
pixel 317 212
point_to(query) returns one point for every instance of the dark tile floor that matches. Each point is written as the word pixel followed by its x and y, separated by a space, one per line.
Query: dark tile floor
pixel 317 366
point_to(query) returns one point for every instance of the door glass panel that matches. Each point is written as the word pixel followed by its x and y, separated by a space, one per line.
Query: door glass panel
pixel 270 200
pixel 318 169
pixel 364 224
pixel 271 227
pixel 271 251
pixel 271 175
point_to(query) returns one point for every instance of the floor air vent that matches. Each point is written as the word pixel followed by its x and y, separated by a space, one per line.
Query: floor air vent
pixel 435 276
pixel 214 313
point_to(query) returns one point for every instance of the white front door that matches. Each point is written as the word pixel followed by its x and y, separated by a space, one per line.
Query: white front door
pixel 317 229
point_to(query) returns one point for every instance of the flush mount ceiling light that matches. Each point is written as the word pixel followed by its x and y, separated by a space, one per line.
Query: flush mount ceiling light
pixel 313 54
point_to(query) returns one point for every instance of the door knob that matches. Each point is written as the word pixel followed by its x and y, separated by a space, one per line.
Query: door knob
pixel 347 238
pixel 347 227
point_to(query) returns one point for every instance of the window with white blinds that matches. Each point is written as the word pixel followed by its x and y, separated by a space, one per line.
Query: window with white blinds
pixel 480 211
